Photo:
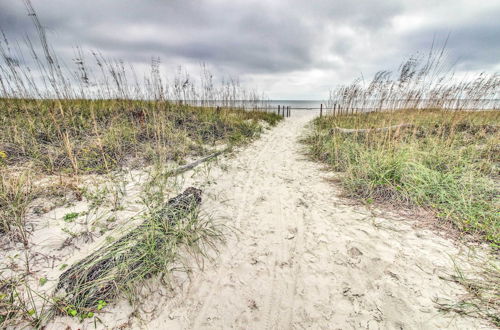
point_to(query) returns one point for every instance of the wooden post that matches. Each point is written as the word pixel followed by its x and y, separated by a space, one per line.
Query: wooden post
pixel 278 109
pixel 283 111
pixel 321 110
pixel 334 109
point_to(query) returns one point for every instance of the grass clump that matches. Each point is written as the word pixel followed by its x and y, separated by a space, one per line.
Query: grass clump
pixel 102 136
pixel 16 193
pixel 483 297
pixel 152 248
pixel 446 161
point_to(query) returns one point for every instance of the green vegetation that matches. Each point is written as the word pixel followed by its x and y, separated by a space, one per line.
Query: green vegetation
pixel 64 123
pixel 16 193
pixel 77 137
pixel 444 161
pixel 70 217
pixel 483 298
pixel 149 250
pixel 98 136
pixel 447 161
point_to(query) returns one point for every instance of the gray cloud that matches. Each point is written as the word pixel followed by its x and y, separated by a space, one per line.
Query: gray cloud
pixel 315 44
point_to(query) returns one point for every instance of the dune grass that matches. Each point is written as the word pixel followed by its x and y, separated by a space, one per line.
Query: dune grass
pixel 423 137
pixel 75 137
pixel 447 161
pixel 444 161
pixel 66 121
pixel 483 286
pixel 88 136
pixel 152 248
pixel 16 192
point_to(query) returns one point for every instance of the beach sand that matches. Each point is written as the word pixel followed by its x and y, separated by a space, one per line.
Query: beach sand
pixel 298 256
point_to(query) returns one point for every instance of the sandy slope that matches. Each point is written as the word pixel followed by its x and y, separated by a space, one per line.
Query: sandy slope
pixel 300 257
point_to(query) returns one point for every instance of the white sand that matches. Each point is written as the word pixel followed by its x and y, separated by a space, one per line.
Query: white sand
pixel 300 257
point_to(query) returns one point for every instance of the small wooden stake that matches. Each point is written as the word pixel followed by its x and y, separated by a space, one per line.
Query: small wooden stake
pixel 321 110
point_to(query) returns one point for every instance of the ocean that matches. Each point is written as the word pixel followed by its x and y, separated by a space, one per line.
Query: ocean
pixel 297 104
pixel 268 104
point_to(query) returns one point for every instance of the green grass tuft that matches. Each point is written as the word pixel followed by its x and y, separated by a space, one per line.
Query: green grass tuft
pixel 447 162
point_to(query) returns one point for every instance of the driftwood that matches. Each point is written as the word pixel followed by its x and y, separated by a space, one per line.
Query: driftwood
pixel 100 275
pixel 368 130
pixel 189 166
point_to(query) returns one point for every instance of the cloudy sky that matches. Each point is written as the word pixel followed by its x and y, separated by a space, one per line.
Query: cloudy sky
pixel 293 49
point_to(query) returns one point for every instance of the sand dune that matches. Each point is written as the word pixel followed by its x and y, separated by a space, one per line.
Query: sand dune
pixel 299 256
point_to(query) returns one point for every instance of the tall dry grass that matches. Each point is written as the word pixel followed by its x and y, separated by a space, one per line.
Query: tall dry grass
pixel 95 115
pixel 444 161
pixel 423 81
pixel 421 138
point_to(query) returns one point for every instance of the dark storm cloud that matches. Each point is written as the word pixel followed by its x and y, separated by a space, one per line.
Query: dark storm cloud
pixel 267 41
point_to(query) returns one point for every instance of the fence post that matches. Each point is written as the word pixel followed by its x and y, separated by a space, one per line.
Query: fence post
pixel 321 110
pixel 278 109
pixel 283 111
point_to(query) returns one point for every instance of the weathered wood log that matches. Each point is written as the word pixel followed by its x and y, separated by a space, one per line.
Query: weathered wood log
pixel 368 130
pixel 192 165
pixel 100 275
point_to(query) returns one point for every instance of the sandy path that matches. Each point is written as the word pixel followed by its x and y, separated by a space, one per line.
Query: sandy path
pixel 302 259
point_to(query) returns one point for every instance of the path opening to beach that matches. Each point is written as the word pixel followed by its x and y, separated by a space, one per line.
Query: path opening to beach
pixel 303 257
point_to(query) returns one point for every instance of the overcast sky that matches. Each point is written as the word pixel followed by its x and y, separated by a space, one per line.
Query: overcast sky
pixel 295 49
